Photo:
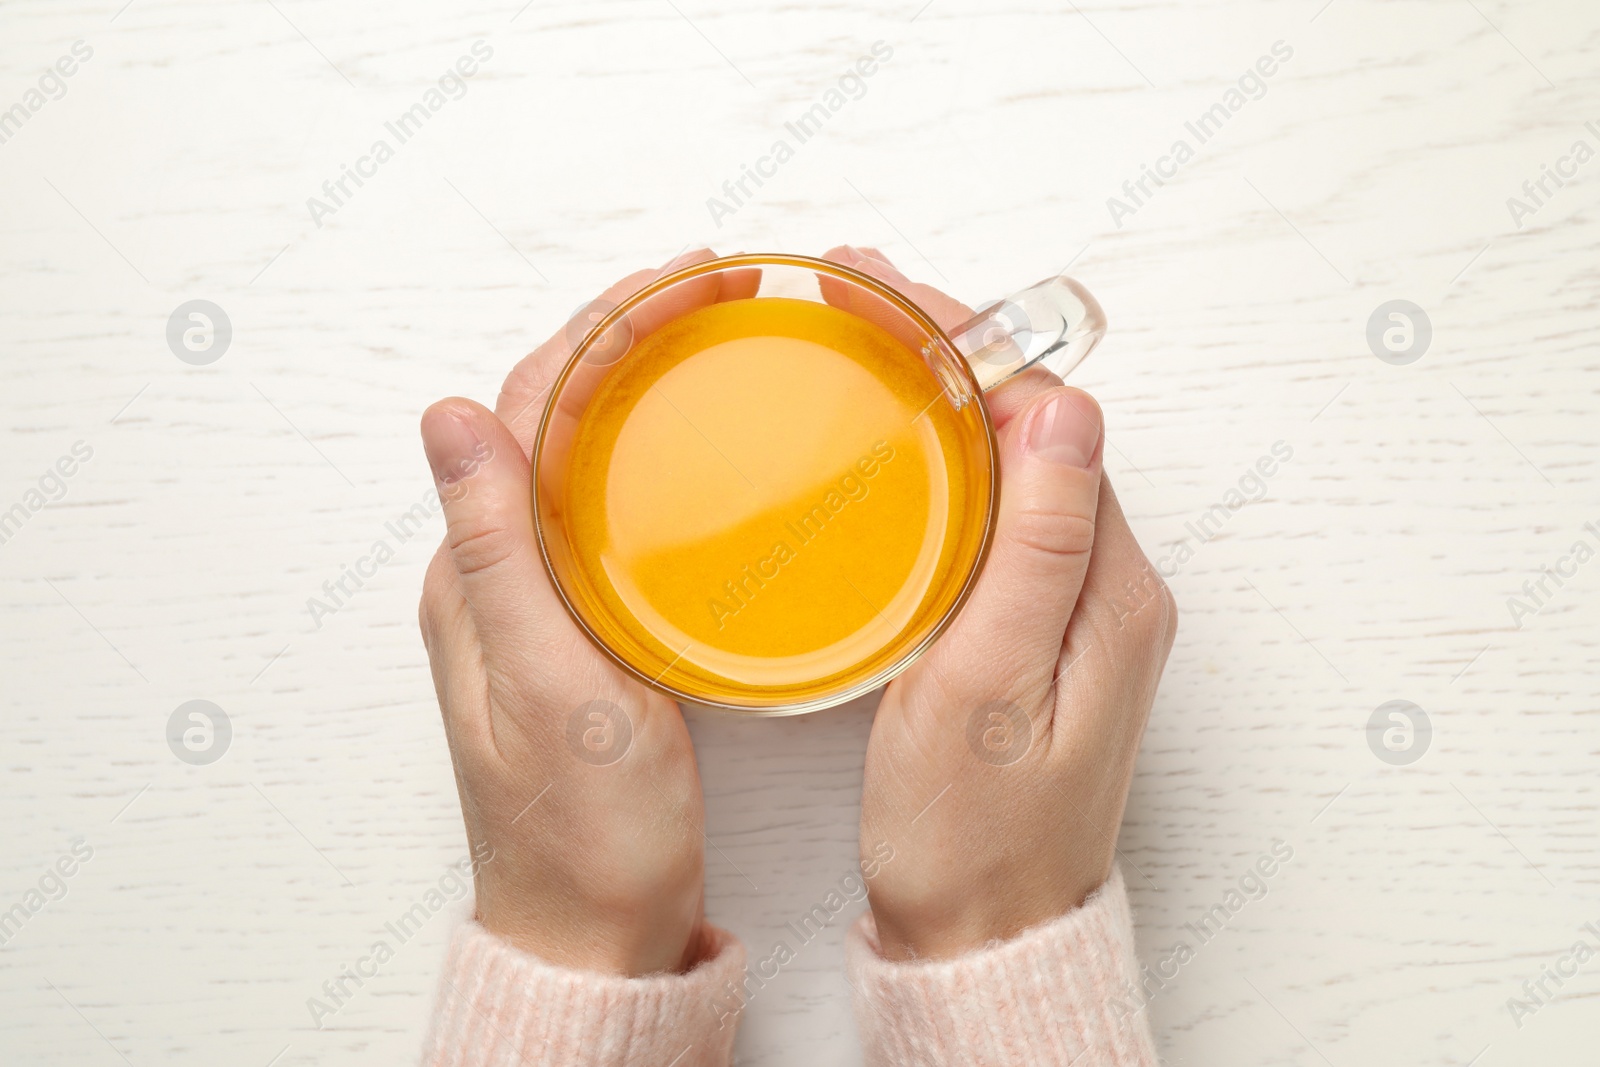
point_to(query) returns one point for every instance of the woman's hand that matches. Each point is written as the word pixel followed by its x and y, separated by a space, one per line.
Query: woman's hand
pixel 1000 762
pixel 581 781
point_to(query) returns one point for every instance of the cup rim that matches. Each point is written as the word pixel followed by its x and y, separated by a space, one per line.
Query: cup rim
pixel 878 288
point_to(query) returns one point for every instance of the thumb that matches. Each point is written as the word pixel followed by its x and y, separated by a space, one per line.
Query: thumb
pixel 482 477
pixel 1050 468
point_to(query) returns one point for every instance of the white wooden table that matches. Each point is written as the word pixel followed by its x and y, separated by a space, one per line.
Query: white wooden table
pixel 176 562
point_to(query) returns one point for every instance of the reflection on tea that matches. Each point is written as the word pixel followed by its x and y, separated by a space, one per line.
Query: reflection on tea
pixel 810 526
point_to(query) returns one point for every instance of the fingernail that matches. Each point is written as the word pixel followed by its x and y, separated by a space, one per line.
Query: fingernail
pixel 685 258
pixel 453 448
pixel 1066 429
pixel 880 265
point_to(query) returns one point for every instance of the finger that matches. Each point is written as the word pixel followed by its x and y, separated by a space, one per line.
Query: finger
pixel 1124 604
pixel 522 397
pixel 451 641
pixel 1014 395
pixel 1117 644
pixel 740 284
pixel 881 311
pixel 1005 400
pixel 521 400
pixel 943 308
pixel 1050 471
pixel 482 478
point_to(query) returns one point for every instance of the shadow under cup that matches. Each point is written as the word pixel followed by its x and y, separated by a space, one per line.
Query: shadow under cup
pixel 764 483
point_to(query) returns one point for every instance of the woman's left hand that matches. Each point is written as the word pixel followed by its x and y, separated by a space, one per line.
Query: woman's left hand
pixel 999 763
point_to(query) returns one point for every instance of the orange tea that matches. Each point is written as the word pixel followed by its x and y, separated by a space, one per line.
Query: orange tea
pixel 770 499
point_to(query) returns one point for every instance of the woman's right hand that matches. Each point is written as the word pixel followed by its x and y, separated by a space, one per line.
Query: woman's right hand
pixel 578 784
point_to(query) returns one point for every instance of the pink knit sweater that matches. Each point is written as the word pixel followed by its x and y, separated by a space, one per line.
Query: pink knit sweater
pixel 1055 995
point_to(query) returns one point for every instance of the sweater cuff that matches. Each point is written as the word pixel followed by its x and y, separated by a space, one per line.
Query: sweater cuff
pixel 1056 994
pixel 501 1007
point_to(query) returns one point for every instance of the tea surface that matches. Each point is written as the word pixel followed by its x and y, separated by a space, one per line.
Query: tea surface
pixel 768 494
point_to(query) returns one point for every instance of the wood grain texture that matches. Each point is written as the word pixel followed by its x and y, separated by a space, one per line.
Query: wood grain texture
pixel 1376 566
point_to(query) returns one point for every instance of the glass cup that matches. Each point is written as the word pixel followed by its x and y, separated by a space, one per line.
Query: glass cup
pixel 875 633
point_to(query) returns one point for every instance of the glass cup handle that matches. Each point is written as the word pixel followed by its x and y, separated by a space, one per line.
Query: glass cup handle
pixel 1056 323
